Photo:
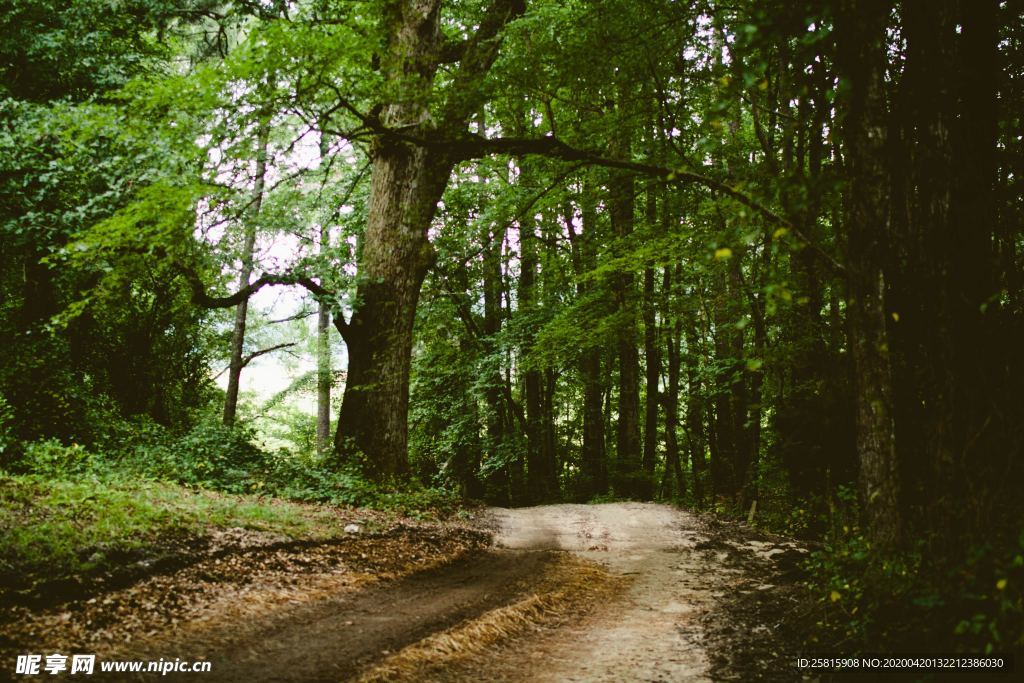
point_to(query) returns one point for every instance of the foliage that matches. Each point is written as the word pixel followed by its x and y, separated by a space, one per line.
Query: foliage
pixel 912 600
pixel 56 527
pixel 212 457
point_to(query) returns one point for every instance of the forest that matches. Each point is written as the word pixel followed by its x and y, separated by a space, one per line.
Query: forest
pixel 760 261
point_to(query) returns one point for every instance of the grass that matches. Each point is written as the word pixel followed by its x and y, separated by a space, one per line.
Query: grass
pixel 52 528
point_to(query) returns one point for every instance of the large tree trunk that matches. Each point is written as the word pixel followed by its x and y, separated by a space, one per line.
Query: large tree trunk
pixel 244 275
pixel 407 182
pixel 861 30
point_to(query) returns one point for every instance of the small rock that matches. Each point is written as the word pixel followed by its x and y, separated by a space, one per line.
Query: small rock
pixel 353 529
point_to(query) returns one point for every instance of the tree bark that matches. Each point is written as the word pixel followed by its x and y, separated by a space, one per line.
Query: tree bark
pixel 406 184
pixel 861 33
pixel 672 338
pixel 695 434
pixel 593 465
pixel 537 466
pixel 323 364
pixel 497 414
pixel 652 368
pixel 731 461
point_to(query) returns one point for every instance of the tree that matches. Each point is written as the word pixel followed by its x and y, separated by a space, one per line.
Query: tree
pixel 861 35
pixel 244 276
pixel 407 181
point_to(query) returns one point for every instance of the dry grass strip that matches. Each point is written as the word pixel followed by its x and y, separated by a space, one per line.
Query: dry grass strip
pixel 568 587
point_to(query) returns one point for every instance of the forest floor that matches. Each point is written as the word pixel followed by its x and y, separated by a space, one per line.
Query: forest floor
pixel 612 592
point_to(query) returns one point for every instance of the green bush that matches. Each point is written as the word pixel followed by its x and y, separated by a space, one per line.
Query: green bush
pixel 54 459
pixel 315 479
pixel 210 455
pixel 919 599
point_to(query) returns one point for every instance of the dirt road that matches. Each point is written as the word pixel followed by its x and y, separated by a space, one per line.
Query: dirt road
pixel 613 592
pixel 654 632
pixel 693 600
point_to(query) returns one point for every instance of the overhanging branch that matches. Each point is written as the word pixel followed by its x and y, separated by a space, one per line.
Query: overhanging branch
pixel 201 298
pixel 472 146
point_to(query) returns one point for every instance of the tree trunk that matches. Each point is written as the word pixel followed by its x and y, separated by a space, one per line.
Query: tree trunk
pixel 731 461
pixel 750 491
pixel 652 367
pixel 695 434
pixel 628 470
pixel 861 28
pixel 323 365
pixel 672 338
pixel 549 450
pixel 984 354
pixel 407 183
pixel 244 275
pixel 593 466
pixel 497 413
pixel 539 472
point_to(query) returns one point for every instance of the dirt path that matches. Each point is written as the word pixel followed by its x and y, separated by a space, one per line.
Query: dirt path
pixel 335 638
pixel 614 592
pixel 654 633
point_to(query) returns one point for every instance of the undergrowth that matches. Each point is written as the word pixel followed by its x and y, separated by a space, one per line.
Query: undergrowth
pixel 55 527
pixel 916 599
pixel 71 509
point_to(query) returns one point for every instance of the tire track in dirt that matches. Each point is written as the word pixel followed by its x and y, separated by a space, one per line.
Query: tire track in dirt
pixel 334 638
pixel 653 633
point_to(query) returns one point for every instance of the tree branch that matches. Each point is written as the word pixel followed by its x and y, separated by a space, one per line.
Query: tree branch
pixel 200 297
pixel 472 146
pixel 301 315
pixel 262 352
pixel 451 51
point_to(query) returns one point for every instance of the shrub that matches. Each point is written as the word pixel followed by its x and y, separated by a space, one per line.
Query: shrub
pixel 54 459
pixel 210 455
